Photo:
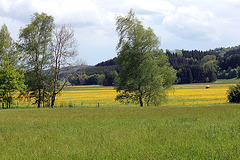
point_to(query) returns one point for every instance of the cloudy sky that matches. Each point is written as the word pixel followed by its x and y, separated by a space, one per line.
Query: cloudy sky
pixel 181 24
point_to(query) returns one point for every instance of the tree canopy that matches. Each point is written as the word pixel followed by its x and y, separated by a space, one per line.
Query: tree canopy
pixel 35 42
pixel 145 73
pixel 8 51
pixel 10 81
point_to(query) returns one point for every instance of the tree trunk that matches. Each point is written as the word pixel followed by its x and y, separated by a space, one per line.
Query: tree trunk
pixel 55 88
pixel 141 101
pixel 53 99
pixel 43 98
pixel 39 104
pixel 39 98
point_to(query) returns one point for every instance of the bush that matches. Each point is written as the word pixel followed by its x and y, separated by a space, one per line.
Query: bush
pixel 234 93
pixel 70 104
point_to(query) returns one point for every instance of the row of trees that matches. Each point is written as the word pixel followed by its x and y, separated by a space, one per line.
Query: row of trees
pixel 198 66
pixel 107 79
pixel 103 73
pixel 35 59
pixel 192 66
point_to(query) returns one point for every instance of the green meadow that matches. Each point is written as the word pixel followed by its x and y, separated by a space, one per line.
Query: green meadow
pixel 173 132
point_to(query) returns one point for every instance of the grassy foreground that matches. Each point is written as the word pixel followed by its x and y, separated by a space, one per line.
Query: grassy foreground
pixel 177 132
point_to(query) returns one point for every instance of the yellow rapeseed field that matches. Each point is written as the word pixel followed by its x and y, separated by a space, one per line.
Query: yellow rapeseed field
pixel 88 97
pixel 195 94
pixel 94 96
pixel 198 94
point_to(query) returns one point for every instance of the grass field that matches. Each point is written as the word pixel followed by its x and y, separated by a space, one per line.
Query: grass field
pixel 176 132
pixel 227 81
pixel 195 123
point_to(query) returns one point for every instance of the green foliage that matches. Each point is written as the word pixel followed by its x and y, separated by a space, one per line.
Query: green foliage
pixel 101 79
pixel 35 41
pixel 110 62
pixel 92 79
pixel 194 66
pixel 206 64
pixel 70 104
pixel 238 72
pixel 233 73
pixel 110 78
pixel 184 75
pixel 107 79
pixel 10 81
pixel 145 73
pixel 234 93
pixel 8 51
pixel 210 62
pixel 208 58
pixel 97 70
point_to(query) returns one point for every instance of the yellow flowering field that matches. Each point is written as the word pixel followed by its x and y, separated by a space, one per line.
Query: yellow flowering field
pixel 198 94
pixel 94 96
pixel 88 96
pixel 194 94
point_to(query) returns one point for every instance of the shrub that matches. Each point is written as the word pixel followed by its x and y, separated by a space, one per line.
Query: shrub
pixel 234 93
pixel 70 104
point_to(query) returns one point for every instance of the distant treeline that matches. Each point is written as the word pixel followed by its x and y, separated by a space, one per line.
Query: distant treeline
pixel 103 73
pixel 205 66
pixel 192 67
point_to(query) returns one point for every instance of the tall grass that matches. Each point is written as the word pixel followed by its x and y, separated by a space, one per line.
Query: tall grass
pixel 199 132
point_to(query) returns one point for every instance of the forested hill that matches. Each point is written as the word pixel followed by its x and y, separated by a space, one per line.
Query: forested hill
pixel 110 62
pixel 192 67
pixel 226 51
pixel 205 66
pixel 103 73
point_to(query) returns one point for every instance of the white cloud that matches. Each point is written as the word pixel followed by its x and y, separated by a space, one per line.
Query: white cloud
pixel 16 9
pixel 188 22
pixel 82 12
pixel 234 1
pixel 5 5
pixel 181 24
pixel 8 5
pixel 151 6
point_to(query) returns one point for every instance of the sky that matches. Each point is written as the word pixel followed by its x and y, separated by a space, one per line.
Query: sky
pixel 180 24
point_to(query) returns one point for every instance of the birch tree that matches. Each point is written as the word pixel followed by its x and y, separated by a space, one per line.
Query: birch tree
pixel 145 73
pixel 64 50
pixel 35 42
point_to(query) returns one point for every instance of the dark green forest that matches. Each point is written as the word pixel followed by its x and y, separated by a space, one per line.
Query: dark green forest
pixel 193 66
